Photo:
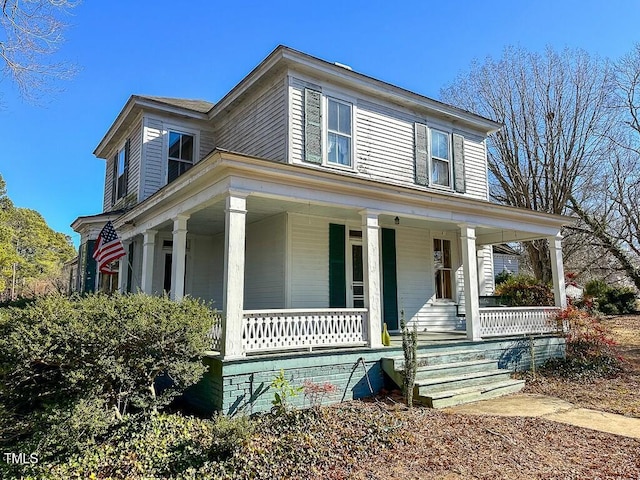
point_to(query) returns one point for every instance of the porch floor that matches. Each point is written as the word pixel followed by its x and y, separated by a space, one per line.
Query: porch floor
pixel 430 338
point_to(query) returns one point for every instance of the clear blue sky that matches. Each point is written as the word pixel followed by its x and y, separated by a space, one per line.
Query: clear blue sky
pixel 201 49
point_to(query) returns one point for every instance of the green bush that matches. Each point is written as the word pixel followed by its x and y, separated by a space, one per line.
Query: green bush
pixel 524 291
pixel 610 300
pixel 502 277
pixel 71 367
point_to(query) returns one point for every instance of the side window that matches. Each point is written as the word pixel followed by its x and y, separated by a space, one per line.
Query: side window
pixel 440 159
pixel 442 268
pixel 180 154
pixel 120 173
pixel 338 132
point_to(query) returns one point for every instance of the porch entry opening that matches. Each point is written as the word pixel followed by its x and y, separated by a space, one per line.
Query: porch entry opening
pixel 346 271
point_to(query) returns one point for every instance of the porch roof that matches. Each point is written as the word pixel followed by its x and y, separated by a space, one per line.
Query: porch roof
pixel 221 172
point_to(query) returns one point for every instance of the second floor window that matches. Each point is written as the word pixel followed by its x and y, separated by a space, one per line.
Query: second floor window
pixel 120 170
pixel 440 159
pixel 338 132
pixel 180 154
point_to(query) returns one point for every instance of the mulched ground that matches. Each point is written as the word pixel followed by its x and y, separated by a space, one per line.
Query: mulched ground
pixel 439 445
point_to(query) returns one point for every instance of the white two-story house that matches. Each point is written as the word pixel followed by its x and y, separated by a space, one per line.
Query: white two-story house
pixel 312 204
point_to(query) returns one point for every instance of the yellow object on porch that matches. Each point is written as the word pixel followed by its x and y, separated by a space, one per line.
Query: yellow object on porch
pixel 386 338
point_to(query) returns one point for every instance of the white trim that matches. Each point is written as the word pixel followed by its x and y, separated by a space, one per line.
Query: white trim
pixel 288 260
pixel 447 132
pixel 339 97
pixel 180 129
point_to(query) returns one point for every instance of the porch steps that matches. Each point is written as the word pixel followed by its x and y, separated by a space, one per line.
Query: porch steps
pixel 450 378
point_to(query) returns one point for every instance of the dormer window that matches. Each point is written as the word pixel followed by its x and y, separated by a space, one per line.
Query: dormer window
pixel 120 173
pixel 180 154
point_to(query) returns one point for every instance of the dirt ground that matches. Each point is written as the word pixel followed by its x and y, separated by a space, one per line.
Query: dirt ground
pixel 441 445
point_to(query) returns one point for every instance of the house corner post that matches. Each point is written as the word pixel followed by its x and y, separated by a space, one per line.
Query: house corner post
pixel 557 271
pixel 470 271
pixel 178 256
pixel 371 259
pixel 234 265
pixel 148 255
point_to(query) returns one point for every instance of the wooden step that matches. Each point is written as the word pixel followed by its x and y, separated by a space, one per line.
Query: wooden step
pixel 453 382
pixel 449 398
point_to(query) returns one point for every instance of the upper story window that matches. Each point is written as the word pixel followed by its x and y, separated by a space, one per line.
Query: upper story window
pixel 120 173
pixel 440 159
pixel 180 154
pixel 338 132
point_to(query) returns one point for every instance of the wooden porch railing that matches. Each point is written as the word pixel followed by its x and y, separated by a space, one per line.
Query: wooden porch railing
pixel 502 321
pixel 270 330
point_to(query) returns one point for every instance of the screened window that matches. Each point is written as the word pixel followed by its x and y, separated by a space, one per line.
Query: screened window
pixel 180 154
pixel 442 268
pixel 440 159
pixel 338 132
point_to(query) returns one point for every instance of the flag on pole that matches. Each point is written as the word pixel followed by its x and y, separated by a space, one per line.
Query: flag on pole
pixel 108 249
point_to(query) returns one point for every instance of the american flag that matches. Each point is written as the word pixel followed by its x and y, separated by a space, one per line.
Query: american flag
pixel 108 249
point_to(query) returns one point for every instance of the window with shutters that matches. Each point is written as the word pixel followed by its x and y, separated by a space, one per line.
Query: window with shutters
pixel 180 154
pixel 442 268
pixel 440 158
pixel 120 173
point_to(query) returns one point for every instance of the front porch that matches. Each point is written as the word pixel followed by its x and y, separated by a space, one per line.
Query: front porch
pixel 302 260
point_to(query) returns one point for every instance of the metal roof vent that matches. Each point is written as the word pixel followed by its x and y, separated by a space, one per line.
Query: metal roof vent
pixel 347 67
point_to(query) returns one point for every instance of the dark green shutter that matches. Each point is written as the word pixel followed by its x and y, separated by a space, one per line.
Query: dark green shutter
pixel 389 279
pixel 89 271
pixel 312 126
pixel 458 163
pixel 337 266
pixel 114 180
pixel 125 181
pixel 129 260
pixel 421 154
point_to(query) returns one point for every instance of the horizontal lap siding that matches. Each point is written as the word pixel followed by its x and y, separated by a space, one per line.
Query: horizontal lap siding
pixel 258 126
pixel 108 185
pixel 488 271
pixel 264 272
pixel 207 255
pixel 385 144
pixel 309 262
pixel 154 168
pixel 135 157
pixel 416 283
pixel 207 143
pixel 475 168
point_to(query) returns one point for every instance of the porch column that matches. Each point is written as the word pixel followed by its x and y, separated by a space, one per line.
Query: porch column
pixel 470 271
pixel 148 255
pixel 557 271
pixel 122 267
pixel 178 256
pixel 233 293
pixel 371 259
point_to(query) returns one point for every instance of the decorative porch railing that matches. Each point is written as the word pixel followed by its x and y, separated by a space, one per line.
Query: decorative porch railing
pixel 499 321
pixel 265 330
pixel 215 333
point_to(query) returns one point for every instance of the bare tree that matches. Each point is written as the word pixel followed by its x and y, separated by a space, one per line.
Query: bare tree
pixel 611 213
pixel 30 33
pixel 554 107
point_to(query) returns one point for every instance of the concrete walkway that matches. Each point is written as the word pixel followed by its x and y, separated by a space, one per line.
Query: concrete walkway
pixel 551 408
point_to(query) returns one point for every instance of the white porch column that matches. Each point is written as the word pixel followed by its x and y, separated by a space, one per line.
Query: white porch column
pixel 122 267
pixel 371 260
pixel 234 256
pixel 178 256
pixel 470 270
pixel 148 256
pixel 557 271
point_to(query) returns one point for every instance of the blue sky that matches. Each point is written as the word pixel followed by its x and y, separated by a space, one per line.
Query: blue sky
pixel 201 49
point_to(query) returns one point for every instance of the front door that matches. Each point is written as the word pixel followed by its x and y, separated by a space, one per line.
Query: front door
pixel 355 274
